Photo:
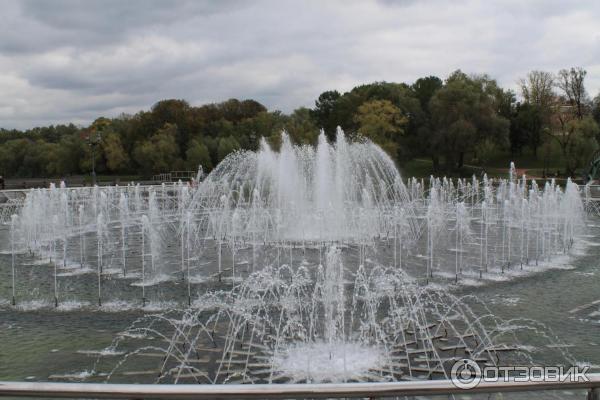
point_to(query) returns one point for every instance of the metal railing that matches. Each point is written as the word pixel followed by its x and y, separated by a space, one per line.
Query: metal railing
pixel 594 190
pixel 174 176
pixel 281 391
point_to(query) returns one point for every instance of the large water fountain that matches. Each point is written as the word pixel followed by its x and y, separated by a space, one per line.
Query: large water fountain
pixel 311 325
pixel 303 265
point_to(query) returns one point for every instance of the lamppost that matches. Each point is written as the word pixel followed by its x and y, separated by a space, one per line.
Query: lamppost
pixel 93 140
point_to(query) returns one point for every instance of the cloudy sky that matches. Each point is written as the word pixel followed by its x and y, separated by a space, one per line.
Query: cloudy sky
pixel 72 61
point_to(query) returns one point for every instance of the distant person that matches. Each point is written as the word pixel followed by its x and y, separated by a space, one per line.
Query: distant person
pixel 2 187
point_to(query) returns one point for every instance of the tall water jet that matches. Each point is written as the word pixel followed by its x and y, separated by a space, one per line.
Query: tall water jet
pixel 54 226
pixel 13 221
pixel 145 226
pixel 303 194
pixel 100 224
pixel 124 219
pixel 81 235
pixel 333 296
pixel 268 208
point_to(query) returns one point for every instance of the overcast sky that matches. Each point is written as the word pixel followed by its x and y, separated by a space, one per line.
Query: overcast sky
pixel 72 61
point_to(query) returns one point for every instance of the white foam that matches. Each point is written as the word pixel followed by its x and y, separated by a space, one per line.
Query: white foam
pixel 155 280
pixel 72 305
pixel 104 352
pixel 327 362
pixel 32 305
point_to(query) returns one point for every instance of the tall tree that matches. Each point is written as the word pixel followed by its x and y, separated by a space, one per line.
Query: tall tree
pixel 537 88
pixel 175 112
pixel 325 112
pixel 227 145
pixel 383 123
pixel 465 113
pixel 71 150
pixel 425 88
pixel 117 158
pixel 301 127
pixel 159 153
pixel 570 82
pixel 575 137
pixel 235 111
pixel 596 108
pixel 423 138
pixel 197 154
pixel 526 128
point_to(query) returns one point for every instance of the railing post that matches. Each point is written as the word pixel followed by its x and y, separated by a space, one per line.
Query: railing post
pixel 593 394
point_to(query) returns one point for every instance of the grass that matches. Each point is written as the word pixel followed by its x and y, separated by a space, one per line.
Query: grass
pixel 495 168
pixel 418 168
pixel 423 168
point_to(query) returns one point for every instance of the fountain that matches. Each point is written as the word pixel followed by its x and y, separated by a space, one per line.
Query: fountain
pixel 304 265
pixel 309 325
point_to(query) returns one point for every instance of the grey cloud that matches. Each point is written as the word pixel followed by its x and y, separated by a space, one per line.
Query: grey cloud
pixel 109 16
pixel 35 25
pixel 73 60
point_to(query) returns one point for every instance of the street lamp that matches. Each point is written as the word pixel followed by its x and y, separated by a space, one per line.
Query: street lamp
pixel 93 140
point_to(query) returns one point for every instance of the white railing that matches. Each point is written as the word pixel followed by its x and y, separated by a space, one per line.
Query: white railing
pixel 594 191
pixel 286 391
pixel 174 176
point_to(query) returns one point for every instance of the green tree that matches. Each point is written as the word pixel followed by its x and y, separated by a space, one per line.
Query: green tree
pixel 197 154
pixel 575 137
pixel 175 112
pixel 117 158
pixel 263 124
pixel 526 128
pixel 70 150
pixel 11 158
pixel 485 151
pixel 464 113
pixel 326 114
pixel 301 127
pixel 550 153
pixel 159 153
pixel 227 145
pixel 54 165
pixel 383 123
pixel 212 144
pixel 236 111
pixel 585 143
pixel 596 108
pixel 37 160
pixel 425 88
pixel 423 137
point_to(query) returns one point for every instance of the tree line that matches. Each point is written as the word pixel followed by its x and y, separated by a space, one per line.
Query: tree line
pixel 464 119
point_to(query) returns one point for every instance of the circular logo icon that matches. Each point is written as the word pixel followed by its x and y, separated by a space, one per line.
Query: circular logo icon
pixel 465 374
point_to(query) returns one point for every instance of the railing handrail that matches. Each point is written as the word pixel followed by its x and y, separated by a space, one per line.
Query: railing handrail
pixel 280 391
